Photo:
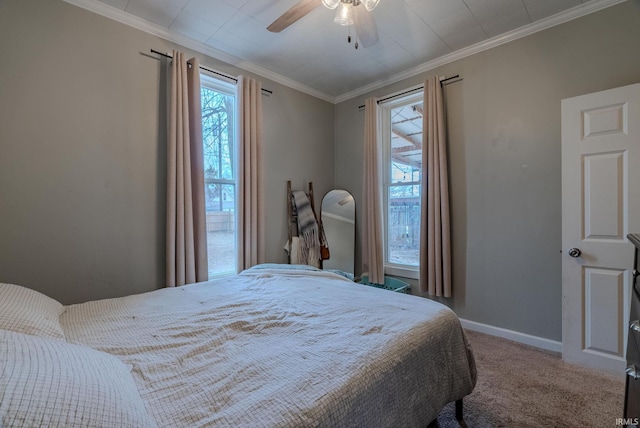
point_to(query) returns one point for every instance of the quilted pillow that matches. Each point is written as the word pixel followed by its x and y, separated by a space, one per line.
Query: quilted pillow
pixel 27 311
pixel 54 383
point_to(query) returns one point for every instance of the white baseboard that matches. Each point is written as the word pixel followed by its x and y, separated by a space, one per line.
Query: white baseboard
pixel 527 339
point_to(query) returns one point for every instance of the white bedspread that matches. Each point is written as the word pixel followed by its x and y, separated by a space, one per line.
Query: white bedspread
pixel 281 348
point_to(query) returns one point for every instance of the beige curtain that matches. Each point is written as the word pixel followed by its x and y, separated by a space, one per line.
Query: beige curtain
pixel 435 241
pixel 372 232
pixel 250 185
pixel 186 222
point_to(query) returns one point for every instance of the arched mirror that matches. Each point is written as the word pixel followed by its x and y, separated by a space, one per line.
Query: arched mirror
pixel 338 215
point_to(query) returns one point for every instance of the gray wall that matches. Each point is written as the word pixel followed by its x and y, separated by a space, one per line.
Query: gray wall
pixel 504 155
pixel 82 152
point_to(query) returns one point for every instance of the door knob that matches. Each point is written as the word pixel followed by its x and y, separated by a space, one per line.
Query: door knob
pixel 574 252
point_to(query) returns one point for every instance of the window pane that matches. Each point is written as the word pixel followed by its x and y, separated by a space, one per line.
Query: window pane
pixel 219 196
pixel 221 242
pixel 402 173
pixel 404 225
pixel 217 134
pixel 219 163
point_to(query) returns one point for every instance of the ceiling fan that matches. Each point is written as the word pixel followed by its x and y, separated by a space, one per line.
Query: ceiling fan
pixel 350 12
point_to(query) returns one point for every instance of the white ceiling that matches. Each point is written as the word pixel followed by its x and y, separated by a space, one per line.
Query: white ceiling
pixel 313 54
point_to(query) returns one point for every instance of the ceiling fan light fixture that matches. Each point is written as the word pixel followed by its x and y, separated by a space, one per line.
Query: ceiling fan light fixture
pixel 343 15
pixel 331 4
pixel 370 4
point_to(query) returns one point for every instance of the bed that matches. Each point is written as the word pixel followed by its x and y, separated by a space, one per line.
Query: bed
pixel 270 347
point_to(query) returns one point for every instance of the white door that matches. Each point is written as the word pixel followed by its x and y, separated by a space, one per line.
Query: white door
pixel 600 206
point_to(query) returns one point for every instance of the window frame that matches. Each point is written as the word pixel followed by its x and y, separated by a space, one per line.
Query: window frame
pixel 207 80
pixel 394 269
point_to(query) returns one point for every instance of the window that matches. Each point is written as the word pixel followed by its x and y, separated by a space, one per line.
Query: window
pixel 402 142
pixel 220 174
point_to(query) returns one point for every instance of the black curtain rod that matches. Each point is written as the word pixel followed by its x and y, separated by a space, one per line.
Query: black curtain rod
pixel 411 90
pixel 208 69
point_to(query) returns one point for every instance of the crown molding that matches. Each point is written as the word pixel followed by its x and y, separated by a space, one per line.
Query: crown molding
pixel 148 27
pixel 543 24
pixel 121 16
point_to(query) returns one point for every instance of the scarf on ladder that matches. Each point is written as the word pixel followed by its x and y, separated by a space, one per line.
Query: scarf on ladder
pixel 308 235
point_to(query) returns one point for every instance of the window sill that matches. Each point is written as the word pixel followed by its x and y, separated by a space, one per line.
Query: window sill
pixel 402 271
pixel 218 275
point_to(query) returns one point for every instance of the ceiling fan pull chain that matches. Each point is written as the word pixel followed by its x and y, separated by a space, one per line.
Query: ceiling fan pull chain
pixel 355 3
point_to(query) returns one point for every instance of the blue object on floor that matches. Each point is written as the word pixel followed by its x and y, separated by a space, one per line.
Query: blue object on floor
pixel 392 284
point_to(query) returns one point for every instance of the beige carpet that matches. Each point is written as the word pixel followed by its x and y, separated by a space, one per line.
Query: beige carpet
pixel 523 386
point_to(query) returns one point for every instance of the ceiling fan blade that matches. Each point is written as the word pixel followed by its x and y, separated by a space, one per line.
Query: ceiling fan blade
pixel 298 11
pixel 365 26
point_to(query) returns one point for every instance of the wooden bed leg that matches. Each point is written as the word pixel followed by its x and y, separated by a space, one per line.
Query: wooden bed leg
pixel 459 410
